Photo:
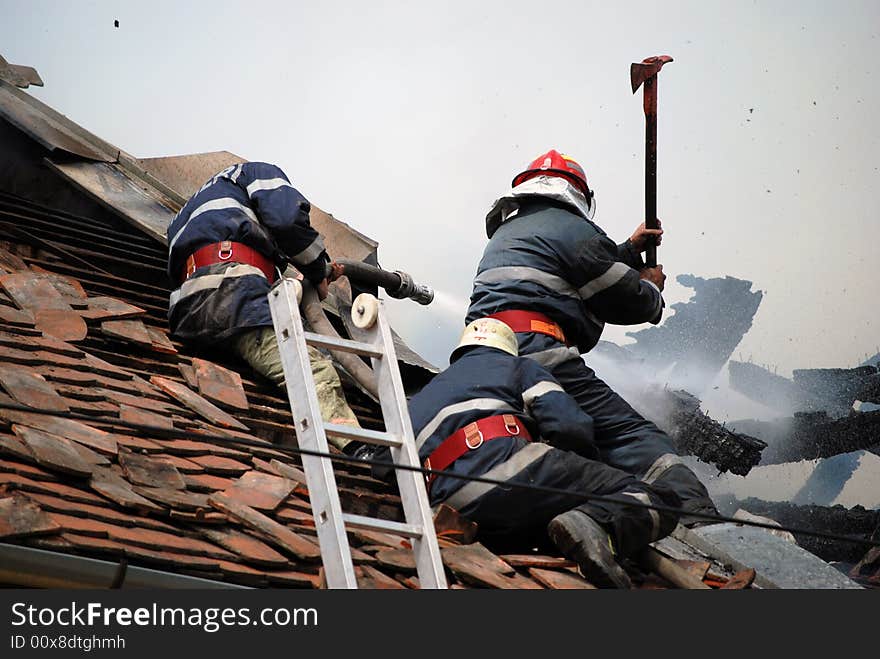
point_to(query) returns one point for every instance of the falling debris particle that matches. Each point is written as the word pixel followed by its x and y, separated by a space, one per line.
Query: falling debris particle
pixel 814 102
pixel 115 23
pixel 751 110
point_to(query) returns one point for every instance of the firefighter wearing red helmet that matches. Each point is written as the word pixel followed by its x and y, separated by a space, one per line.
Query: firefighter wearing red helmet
pixel 556 278
pixel 554 163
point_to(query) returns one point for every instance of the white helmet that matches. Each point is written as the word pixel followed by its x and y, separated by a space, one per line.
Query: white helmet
pixel 489 332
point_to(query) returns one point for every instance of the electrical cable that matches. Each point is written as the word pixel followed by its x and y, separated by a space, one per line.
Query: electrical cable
pixel 297 451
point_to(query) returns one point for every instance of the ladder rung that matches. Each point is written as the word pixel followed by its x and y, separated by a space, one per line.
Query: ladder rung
pixel 387 526
pixel 357 347
pixel 362 435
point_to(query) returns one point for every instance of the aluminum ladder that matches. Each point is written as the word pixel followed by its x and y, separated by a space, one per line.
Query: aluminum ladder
pixel 311 433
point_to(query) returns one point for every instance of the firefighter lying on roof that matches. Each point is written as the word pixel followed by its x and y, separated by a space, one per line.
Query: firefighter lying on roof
pixel 225 248
pixel 494 414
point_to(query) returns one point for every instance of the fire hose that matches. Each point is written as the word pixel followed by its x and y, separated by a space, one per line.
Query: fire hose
pixel 397 284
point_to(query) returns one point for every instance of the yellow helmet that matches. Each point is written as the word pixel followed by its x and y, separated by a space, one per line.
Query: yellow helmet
pixel 489 332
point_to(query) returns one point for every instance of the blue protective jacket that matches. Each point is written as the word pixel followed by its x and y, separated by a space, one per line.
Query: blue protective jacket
pixel 251 203
pixel 484 382
pixel 550 259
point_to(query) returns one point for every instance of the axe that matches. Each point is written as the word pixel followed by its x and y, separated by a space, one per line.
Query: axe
pixel 646 72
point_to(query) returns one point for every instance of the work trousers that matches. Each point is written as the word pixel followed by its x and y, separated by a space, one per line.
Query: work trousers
pixel 511 518
pixel 259 348
pixel 625 439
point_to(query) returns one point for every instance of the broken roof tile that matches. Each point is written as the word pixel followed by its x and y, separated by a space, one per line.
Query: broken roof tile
pixel 140 401
pixel 53 452
pixel 114 487
pixel 15 481
pixel 77 509
pixel 219 385
pixel 289 471
pixel 196 403
pixel 397 559
pixel 88 455
pixel 66 286
pixel 535 560
pixel 31 389
pixel 32 292
pixel 281 536
pixel 20 517
pixel 205 482
pixel 64 324
pixel 16 317
pixel 80 525
pixel 215 464
pixel 159 540
pixel 294 578
pixel 142 417
pixel 557 580
pixel 182 465
pixel 248 547
pixel 199 517
pixel 13 446
pixel 106 308
pixel 25 469
pixel 174 499
pixel 261 491
pixel 150 471
pixel 161 342
pixel 133 331
pixel 189 375
pixel 450 524
pixel 139 444
pixel 11 261
pixel 369 577
pixel 477 565
pixel 94 438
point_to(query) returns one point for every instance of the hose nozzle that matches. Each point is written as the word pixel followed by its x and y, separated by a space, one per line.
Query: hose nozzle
pixel 421 293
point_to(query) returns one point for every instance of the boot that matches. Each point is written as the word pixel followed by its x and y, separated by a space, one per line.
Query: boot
pixel 582 540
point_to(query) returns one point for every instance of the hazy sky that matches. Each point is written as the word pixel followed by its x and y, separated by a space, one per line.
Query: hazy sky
pixel 407 119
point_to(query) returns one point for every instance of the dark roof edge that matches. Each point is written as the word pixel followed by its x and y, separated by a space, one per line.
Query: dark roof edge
pixel 30 567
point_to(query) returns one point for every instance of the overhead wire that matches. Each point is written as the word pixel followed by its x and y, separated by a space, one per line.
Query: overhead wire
pixel 538 489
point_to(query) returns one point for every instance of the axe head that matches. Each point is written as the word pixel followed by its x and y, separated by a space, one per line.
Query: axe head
pixel 648 68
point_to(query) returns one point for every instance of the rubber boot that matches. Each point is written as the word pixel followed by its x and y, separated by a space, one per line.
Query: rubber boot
pixel 583 541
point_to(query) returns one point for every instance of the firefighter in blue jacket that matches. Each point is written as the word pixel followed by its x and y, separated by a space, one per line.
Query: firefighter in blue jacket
pixel 556 278
pixel 226 247
pixel 494 414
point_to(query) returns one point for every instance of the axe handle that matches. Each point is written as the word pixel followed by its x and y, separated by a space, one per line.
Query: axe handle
pixel 651 167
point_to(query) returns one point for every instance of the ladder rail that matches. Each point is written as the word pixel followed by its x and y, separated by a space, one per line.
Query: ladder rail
pixel 413 491
pixel 321 481
pixel 312 431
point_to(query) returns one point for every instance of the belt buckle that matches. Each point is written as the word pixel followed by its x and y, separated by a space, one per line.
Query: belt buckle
pixel 469 434
pixel 225 251
pixel 190 267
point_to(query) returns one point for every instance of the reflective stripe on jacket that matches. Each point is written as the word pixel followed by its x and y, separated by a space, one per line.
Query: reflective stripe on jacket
pixel 549 258
pixel 251 203
pixel 484 382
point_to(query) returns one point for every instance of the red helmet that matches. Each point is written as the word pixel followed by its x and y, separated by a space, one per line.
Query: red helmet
pixel 554 163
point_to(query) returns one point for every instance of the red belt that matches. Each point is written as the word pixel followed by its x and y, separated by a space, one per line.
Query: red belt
pixel 530 321
pixel 470 438
pixel 228 252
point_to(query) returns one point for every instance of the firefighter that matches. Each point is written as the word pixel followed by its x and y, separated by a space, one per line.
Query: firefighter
pixel 556 278
pixel 494 414
pixel 226 247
